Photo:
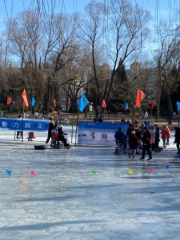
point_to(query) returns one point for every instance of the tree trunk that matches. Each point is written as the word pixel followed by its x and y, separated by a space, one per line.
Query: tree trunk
pixel 158 109
pixel 170 109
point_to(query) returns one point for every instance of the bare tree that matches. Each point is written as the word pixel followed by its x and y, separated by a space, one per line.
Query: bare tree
pixel 47 47
pixel 127 33
pixel 43 44
pixel 120 29
pixel 167 57
pixel 92 31
pixel 74 76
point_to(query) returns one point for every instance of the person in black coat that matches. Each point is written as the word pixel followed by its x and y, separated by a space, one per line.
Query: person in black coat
pixel 100 119
pixel 120 138
pixel 19 133
pixel 139 138
pixel 133 144
pixel 51 127
pixel 147 142
pixel 157 138
pixel 177 138
pixel 62 138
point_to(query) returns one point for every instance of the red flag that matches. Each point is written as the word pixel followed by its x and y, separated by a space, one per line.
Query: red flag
pixel 140 96
pixel 69 101
pixel 54 101
pixel 103 104
pixel 25 101
pixel 152 105
pixel 8 101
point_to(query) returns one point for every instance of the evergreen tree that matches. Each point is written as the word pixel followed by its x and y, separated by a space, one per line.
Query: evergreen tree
pixel 121 72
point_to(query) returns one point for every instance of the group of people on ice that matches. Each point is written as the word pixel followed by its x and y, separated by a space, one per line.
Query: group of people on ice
pixel 145 138
pixel 56 134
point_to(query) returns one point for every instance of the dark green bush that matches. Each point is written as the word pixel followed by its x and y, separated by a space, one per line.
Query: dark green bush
pixel 113 107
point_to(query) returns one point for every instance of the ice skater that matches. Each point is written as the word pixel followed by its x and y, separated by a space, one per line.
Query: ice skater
pixel 165 135
pixel 177 138
pixel 51 126
pixel 133 144
pixel 147 141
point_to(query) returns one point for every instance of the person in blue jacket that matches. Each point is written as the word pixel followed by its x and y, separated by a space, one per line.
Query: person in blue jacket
pixel 120 138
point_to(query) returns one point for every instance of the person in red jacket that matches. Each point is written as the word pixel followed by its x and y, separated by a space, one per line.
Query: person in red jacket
pixel 55 138
pixel 165 135
pixel 147 142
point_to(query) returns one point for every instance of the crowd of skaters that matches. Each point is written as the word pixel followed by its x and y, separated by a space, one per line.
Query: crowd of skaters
pixel 145 137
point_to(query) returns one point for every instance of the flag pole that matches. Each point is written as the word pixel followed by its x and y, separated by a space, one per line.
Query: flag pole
pixel 77 127
pixel 22 123
pixel 72 128
pixel 81 107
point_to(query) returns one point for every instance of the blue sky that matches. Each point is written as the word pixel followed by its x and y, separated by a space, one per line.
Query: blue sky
pixel 165 7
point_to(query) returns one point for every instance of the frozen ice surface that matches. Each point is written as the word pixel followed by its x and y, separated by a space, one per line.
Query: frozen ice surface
pixel 66 201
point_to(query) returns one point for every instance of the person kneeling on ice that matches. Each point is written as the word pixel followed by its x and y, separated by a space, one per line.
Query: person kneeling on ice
pixel 133 144
pixel 61 137
pixel 147 141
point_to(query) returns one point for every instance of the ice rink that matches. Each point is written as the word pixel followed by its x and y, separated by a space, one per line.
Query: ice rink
pixel 86 193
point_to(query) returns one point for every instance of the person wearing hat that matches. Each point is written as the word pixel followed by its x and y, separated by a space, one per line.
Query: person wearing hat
pixel 133 144
pixel 147 142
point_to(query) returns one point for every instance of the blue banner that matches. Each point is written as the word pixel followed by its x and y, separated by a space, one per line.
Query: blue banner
pixel 95 133
pixel 18 124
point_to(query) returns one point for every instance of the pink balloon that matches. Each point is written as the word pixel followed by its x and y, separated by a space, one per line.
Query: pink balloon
pixel 32 173
pixel 151 169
